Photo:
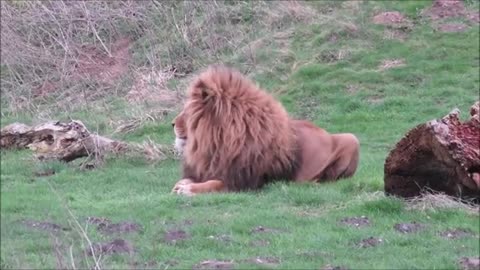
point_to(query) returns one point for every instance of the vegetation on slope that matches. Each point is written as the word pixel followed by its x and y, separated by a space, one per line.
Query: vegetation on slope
pixel 334 63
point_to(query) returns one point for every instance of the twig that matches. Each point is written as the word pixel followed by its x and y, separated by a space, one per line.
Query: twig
pixel 95 30
pixel 82 232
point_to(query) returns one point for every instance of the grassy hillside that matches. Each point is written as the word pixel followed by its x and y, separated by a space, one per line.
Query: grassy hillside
pixel 347 66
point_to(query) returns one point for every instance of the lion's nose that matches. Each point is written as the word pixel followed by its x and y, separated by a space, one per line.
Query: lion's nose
pixel 173 124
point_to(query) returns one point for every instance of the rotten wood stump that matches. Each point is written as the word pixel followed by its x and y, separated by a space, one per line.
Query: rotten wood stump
pixel 441 155
pixel 72 140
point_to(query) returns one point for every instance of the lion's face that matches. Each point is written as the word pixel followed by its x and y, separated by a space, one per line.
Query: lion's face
pixel 180 129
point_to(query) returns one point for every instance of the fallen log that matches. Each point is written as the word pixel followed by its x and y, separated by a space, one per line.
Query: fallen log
pixel 442 155
pixel 69 141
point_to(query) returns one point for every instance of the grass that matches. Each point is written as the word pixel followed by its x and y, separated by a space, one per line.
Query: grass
pixel 336 84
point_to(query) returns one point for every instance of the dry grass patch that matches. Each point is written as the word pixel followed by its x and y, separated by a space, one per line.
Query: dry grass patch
pixel 437 202
pixel 391 63
pixel 151 87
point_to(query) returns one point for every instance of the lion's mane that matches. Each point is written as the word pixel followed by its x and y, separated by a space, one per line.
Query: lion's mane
pixel 237 132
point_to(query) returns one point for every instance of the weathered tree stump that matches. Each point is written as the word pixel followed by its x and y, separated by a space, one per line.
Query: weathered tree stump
pixel 441 155
pixel 72 140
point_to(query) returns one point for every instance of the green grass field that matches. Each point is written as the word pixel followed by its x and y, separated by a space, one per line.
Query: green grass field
pixel 332 71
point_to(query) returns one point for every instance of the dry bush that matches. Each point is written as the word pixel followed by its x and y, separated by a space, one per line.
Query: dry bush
pixel 48 47
pixel 60 54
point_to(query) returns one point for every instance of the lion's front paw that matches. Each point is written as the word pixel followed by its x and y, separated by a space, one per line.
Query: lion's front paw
pixel 183 187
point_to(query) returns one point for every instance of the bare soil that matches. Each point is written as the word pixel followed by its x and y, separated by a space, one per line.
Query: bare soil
pixel 104 225
pixel 390 18
pixel 409 227
pixel 369 242
pixel 452 27
pixel 443 9
pixel 457 233
pixel 470 263
pixel 356 222
pixel 174 236
pixel 95 62
pixel 116 246
pixel 214 264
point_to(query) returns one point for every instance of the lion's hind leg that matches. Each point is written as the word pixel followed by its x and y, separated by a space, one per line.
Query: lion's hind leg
pixel 348 156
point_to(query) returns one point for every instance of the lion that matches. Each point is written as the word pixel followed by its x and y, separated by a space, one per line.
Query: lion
pixel 234 137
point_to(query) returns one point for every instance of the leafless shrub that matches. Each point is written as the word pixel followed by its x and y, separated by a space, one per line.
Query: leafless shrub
pixel 48 46
pixel 75 53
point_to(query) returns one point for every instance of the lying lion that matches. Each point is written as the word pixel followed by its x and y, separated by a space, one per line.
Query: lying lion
pixel 236 137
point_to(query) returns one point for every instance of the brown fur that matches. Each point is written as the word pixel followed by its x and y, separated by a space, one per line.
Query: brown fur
pixel 238 134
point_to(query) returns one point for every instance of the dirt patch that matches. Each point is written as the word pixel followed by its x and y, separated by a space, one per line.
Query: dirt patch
pixel 116 246
pixel 261 229
pixel 409 227
pixel 391 18
pixel 470 263
pixel 214 264
pixel 369 242
pixel 95 62
pixel 442 9
pixel 269 261
pixel 44 226
pixel 391 63
pixel 457 233
pixel 452 27
pixel 104 225
pixel 259 243
pixel 445 9
pixel 356 222
pixel 174 236
pixel 331 267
